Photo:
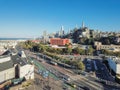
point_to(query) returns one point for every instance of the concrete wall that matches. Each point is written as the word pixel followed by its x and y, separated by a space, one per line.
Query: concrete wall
pixel 112 65
pixel 118 69
pixel 115 67
pixel 27 71
pixel 7 74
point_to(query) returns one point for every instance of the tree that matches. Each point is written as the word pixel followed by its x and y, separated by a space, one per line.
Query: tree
pixel 80 65
pixel 51 50
pixel 74 63
pixel 59 51
pixel 82 40
pixel 82 51
pixel 69 50
pixel 107 41
pixel 90 50
pixel 36 48
pixel 27 45
pixel 77 50
pixel 42 48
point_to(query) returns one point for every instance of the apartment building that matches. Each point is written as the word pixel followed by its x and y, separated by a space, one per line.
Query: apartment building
pixel 114 48
pixel 59 41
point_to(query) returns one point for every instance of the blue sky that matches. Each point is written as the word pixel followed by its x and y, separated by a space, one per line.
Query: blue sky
pixel 29 18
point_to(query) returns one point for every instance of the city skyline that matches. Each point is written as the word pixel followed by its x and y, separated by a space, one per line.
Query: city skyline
pixel 29 18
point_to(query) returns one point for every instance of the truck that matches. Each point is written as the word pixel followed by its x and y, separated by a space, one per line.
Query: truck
pixel 17 81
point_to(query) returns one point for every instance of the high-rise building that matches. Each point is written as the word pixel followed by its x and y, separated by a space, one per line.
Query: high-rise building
pixel 83 24
pixel 61 33
pixel 45 36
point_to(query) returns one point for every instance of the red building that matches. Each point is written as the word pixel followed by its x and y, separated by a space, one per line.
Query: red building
pixel 35 41
pixel 59 41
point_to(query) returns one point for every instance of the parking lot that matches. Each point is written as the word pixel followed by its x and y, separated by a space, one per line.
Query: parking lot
pixel 89 66
pixel 102 72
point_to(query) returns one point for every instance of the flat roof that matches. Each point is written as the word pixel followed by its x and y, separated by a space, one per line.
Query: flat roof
pixel 4 56
pixel 6 65
pixel 15 59
pixel 9 51
pixel 18 60
pixel 117 60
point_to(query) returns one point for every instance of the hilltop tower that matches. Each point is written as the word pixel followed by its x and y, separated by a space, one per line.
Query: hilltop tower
pixel 62 31
pixel 83 24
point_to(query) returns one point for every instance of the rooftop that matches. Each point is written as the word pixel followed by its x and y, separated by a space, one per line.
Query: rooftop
pixel 6 65
pixel 4 58
pixel 9 52
pixel 7 62
pixel 6 52
pixel 117 60
pixel 18 60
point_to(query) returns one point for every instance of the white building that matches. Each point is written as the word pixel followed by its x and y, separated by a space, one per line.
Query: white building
pixel 7 74
pixel 12 67
pixel 114 64
pixel 7 70
pixel 27 71
pixel 114 48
